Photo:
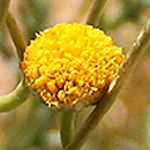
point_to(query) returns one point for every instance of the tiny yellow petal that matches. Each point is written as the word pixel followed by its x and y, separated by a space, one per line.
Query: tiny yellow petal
pixel 52 86
pixel 61 95
pixel 40 81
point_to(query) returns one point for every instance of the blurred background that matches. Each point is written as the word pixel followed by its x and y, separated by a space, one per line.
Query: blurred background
pixel 33 126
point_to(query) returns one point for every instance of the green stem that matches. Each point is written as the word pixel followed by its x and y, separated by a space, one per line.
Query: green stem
pixel 108 99
pixel 4 4
pixel 79 16
pixel 16 35
pixel 95 13
pixel 67 126
pixel 21 92
pixel 15 98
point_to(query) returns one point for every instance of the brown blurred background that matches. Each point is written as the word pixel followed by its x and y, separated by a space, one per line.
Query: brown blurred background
pixel 32 126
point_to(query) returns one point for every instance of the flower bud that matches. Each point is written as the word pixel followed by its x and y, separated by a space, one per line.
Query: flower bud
pixel 70 64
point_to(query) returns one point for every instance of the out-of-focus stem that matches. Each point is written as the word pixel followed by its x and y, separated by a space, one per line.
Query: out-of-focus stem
pixel 21 92
pixel 79 16
pixel 139 47
pixel 4 4
pixel 95 12
pixel 16 35
pixel 67 126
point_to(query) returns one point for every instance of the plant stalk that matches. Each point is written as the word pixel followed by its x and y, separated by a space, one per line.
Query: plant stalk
pixel 16 35
pixel 67 126
pixel 21 92
pixel 139 47
pixel 4 5
pixel 95 12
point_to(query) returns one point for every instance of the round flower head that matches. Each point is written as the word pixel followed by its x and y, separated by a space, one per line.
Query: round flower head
pixel 71 63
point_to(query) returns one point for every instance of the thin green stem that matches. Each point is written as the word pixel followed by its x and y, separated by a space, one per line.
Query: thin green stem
pixel 16 35
pixel 20 93
pixel 79 16
pixel 4 4
pixel 15 98
pixel 95 12
pixel 67 126
pixel 141 44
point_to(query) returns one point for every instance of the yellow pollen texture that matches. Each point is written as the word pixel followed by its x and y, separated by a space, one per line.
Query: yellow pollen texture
pixel 70 63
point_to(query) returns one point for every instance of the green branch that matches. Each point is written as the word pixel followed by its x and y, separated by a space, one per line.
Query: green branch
pixel 67 126
pixel 16 35
pixel 20 93
pixel 4 4
pixel 95 12
pixel 139 47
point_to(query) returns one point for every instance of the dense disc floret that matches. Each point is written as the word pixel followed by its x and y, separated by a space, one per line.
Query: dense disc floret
pixel 70 63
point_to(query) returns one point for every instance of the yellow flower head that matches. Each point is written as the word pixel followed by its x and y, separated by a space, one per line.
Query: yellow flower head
pixel 70 63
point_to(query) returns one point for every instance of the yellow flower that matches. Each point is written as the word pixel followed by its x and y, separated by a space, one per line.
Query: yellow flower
pixel 70 63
